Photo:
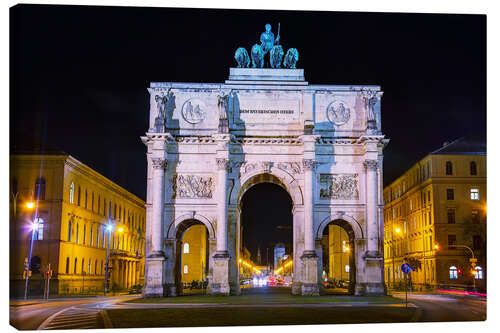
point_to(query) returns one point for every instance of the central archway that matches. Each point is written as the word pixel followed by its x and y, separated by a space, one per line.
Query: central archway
pixel 265 227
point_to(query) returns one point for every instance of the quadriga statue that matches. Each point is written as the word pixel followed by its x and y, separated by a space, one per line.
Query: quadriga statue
pixel 257 56
pixel 242 58
pixel 275 56
pixel 291 58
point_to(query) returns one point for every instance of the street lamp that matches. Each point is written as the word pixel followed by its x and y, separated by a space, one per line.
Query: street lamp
pixel 34 228
pixel 109 228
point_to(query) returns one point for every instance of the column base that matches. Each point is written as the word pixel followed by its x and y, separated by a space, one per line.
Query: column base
pixel 154 282
pixel 220 278
pixel 309 284
pixel 370 289
pixel 309 289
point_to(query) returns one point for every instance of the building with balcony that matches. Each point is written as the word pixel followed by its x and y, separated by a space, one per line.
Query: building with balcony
pixel 435 219
pixel 72 205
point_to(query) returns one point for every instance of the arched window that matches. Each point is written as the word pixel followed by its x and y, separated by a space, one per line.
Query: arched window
pixel 453 273
pixel 38 233
pixel 186 248
pixel 67 265
pixel 76 264
pixel 69 231
pixel 479 273
pixel 71 193
pixel 76 233
pixel 449 168
pixel 185 269
pixel 91 235
pixel 40 188
pixel 84 233
pixel 473 168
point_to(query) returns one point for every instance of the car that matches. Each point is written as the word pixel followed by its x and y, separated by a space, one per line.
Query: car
pixel 137 289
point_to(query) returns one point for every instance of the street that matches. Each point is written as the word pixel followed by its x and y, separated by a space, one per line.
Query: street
pixel 273 306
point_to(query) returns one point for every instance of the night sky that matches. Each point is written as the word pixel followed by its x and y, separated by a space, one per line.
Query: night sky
pixel 79 74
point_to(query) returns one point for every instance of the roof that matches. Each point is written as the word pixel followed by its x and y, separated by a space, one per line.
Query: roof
pixel 463 146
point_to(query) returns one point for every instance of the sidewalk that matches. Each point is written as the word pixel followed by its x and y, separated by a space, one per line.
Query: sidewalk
pixel 15 302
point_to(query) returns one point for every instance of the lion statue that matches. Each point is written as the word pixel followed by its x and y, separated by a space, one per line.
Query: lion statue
pixel 242 58
pixel 291 58
pixel 275 56
pixel 257 56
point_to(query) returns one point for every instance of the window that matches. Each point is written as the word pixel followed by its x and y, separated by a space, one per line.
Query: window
pixel 474 194
pixel 453 273
pixel 473 168
pixel 185 269
pixel 429 197
pixel 76 233
pixel 95 267
pixel 186 248
pixel 67 265
pixel 90 267
pixel 450 194
pixel 71 193
pixel 83 266
pixel 429 215
pixel 99 204
pixel 92 202
pixel 475 216
pixel 40 188
pixel 78 202
pixel 86 197
pixel 347 268
pixel 479 273
pixel 428 169
pixel 104 208
pixel 38 233
pixel 451 216
pixel 449 168
pixel 76 264
pixel 84 233
pixel 476 242
pixel 452 241
pixel 69 231
pixel 91 235
pixel 101 266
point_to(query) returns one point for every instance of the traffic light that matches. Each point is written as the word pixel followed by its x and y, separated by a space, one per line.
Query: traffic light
pixel 459 271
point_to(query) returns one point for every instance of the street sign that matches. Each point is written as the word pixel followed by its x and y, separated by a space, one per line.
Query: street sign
pixel 406 268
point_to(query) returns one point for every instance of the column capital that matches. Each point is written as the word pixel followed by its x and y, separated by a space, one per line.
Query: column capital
pixel 371 164
pixel 159 163
pixel 222 163
pixel 309 164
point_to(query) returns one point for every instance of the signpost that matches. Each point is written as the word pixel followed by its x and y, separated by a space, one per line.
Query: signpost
pixel 406 269
pixel 48 275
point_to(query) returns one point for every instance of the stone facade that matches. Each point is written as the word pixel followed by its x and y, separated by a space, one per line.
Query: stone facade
pixel 313 140
pixel 73 204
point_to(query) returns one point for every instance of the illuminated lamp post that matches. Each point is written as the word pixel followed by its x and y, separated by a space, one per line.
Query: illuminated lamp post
pixel 109 228
pixel 34 228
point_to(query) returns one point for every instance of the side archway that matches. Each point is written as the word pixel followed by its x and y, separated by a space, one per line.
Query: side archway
pixel 185 221
pixel 351 222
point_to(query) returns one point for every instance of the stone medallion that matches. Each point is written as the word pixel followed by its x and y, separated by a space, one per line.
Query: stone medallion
pixel 193 111
pixel 338 112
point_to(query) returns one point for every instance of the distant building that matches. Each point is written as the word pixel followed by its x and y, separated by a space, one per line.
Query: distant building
pixel 439 202
pixel 194 254
pixel 73 203
pixel 336 254
pixel 279 252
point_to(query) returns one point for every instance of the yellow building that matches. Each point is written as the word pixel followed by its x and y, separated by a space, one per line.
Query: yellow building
pixel 194 254
pixel 72 206
pixel 337 253
pixel 435 217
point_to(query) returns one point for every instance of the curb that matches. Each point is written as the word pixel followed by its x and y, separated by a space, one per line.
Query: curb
pixel 105 319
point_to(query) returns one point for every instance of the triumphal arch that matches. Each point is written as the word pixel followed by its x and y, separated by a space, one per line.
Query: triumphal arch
pixel 209 143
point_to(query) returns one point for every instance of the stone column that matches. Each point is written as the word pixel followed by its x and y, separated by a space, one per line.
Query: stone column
pixel 154 285
pixel 371 208
pixel 220 282
pixel 309 257
pixel 222 166
pixel 158 184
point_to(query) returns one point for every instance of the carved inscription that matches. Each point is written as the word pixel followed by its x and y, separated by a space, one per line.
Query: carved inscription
pixel 192 187
pixel 338 186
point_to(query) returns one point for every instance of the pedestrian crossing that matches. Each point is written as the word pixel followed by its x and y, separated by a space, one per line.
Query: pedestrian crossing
pixel 74 318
